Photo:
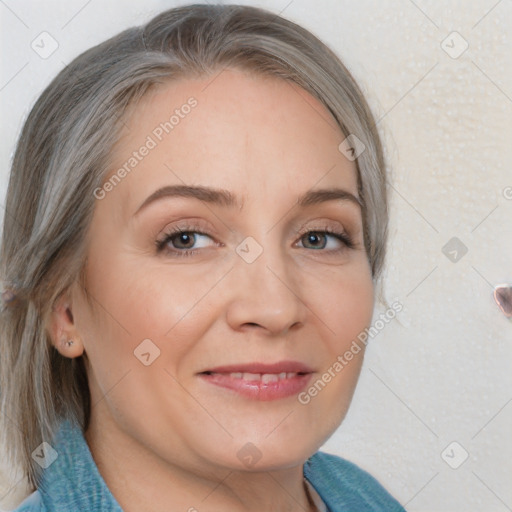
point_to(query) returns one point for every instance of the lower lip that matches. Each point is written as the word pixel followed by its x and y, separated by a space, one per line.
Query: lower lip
pixel 258 390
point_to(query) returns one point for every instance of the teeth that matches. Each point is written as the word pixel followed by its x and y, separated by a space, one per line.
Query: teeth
pixel 264 377
pixel 251 376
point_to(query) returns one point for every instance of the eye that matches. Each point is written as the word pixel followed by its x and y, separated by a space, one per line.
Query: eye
pixel 189 240
pixel 319 239
pixel 182 241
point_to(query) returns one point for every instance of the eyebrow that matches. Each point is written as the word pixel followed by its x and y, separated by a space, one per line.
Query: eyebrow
pixel 225 198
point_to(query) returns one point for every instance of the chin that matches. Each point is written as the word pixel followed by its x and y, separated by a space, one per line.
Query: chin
pixel 270 454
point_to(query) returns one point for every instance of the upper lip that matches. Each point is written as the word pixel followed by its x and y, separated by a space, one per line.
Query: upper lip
pixel 279 367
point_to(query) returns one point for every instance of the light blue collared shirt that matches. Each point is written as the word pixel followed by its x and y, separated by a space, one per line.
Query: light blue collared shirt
pixel 73 483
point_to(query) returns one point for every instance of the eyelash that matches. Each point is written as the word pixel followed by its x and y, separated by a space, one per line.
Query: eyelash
pixel 161 244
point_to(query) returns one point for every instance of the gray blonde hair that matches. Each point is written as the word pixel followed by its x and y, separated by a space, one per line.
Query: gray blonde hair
pixel 63 155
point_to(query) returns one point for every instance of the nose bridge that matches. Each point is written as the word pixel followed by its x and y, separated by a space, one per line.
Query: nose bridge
pixel 264 290
pixel 263 260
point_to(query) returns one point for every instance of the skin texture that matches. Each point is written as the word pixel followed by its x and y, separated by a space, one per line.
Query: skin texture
pixel 164 439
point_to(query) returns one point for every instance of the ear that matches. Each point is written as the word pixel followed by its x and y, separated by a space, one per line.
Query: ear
pixel 63 332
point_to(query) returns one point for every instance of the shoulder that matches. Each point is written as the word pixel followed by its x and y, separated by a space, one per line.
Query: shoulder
pixel 32 503
pixel 345 486
pixel 330 465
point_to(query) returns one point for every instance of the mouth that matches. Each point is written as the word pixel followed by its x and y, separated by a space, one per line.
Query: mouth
pixel 260 381
pixel 263 377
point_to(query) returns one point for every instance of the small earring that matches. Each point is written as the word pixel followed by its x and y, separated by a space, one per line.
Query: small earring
pixel 67 343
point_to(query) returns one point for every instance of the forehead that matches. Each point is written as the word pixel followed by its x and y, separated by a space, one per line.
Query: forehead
pixel 261 137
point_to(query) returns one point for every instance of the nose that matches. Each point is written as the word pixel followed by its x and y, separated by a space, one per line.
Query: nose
pixel 265 294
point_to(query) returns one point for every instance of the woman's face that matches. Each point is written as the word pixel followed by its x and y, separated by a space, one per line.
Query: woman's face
pixel 183 325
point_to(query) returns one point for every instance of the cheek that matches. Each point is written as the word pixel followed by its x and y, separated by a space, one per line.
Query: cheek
pixel 344 301
pixel 345 306
pixel 135 302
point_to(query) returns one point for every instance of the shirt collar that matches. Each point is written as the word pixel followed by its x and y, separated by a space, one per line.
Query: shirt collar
pixel 315 497
pixel 72 481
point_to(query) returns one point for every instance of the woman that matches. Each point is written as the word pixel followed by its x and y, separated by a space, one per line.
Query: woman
pixel 197 222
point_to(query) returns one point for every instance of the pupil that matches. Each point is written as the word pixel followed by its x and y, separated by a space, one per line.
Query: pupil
pixel 313 238
pixel 185 238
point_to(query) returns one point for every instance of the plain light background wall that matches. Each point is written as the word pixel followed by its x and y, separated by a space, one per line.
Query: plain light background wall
pixel 440 373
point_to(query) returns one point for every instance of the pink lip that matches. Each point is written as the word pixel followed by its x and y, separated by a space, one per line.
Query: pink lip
pixel 279 367
pixel 256 389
